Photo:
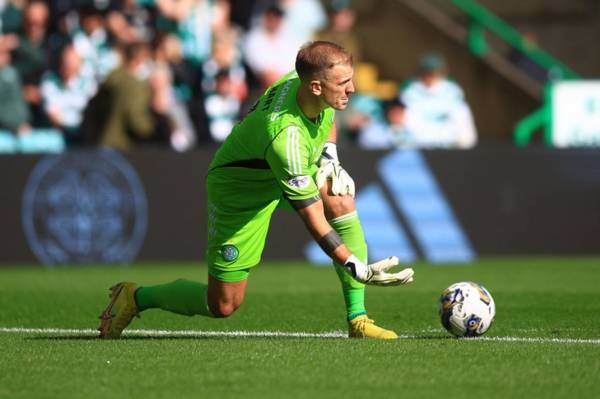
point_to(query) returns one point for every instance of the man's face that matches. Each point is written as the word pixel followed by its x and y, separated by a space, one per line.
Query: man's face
pixel 337 86
pixel 71 63
pixel 272 22
pixel 429 79
pixel 36 19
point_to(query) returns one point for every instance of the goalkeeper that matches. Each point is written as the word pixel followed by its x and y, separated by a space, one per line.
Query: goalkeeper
pixel 282 154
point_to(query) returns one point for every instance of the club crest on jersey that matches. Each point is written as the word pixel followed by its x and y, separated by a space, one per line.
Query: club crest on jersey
pixel 299 181
pixel 230 252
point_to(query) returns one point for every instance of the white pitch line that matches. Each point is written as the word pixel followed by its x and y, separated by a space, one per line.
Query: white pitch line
pixel 540 340
pixel 179 333
pixel 276 334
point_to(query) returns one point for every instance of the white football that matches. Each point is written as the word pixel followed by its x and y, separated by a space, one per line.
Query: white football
pixel 467 309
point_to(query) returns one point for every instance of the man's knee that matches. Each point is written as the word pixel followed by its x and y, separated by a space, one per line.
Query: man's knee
pixel 224 298
pixel 223 309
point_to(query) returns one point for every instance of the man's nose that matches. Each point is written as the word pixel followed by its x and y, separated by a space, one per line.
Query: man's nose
pixel 350 88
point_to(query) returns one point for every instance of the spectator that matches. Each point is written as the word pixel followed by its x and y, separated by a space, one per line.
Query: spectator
pixel 184 76
pixel 226 58
pixel 92 43
pixel 63 15
pixel 270 50
pixel 395 115
pixel 130 22
pixel 65 93
pixel 164 109
pixel 226 55
pixel 221 16
pixel 437 114
pixel 303 18
pixel 186 80
pixel 174 76
pixel 11 16
pixel 11 20
pixel 222 106
pixel 373 133
pixel 30 57
pixel 126 111
pixel 63 21
pixel 14 113
pixel 365 123
pixel 339 29
pixel 192 21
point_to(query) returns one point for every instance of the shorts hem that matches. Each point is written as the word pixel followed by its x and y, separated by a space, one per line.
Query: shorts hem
pixel 229 276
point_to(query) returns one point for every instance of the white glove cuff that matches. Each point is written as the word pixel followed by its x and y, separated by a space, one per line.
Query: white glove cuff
pixel 352 258
pixel 357 269
pixel 330 151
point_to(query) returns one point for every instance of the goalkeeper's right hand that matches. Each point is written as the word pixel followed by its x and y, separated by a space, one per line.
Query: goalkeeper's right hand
pixel 376 273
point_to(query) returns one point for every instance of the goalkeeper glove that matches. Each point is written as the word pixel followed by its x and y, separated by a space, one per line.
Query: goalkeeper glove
pixel 376 273
pixel 330 168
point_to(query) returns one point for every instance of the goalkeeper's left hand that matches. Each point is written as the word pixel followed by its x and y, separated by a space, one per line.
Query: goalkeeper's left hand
pixel 330 169
pixel 383 278
pixel 377 273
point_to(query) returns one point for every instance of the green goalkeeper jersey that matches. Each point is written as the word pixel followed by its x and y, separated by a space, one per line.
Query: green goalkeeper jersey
pixel 275 146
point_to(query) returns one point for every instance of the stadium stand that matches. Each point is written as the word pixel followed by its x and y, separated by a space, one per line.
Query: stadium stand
pixel 497 67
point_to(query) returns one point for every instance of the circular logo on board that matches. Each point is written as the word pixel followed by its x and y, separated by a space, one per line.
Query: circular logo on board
pixel 84 207
pixel 230 252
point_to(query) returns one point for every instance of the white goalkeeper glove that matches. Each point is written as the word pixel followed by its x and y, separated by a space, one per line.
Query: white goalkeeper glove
pixel 376 273
pixel 330 169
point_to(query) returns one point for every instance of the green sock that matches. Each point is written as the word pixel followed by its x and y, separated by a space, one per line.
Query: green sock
pixel 351 232
pixel 180 296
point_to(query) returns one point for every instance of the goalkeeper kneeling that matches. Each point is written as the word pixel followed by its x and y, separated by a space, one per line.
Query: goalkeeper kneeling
pixel 282 154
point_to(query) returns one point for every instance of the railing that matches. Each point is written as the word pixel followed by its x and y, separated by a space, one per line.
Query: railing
pixel 481 21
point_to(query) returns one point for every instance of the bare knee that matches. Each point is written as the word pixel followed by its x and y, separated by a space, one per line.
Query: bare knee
pixel 336 206
pixel 223 309
pixel 224 298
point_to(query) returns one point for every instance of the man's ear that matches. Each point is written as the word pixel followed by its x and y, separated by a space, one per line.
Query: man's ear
pixel 315 87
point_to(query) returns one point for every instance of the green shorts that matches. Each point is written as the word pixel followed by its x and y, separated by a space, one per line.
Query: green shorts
pixel 238 219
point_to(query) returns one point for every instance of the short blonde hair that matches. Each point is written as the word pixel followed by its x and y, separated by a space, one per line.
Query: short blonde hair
pixel 315 58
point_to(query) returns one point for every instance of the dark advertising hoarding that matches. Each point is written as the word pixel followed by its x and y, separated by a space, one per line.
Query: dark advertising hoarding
pixel 107 207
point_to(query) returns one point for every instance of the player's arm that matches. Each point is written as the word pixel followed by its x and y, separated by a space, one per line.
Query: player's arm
pixel 289 161
pixel 330 242
pixel 333 134
pixel 313 216
pixel 331 170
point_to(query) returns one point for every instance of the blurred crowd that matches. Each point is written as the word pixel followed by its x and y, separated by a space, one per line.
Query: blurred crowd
pixel 180 73
pixel 428 110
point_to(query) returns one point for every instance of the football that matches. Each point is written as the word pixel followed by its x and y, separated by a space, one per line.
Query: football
pixel 467 309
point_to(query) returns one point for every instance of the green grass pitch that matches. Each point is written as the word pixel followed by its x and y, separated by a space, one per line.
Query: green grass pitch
pixel 548 321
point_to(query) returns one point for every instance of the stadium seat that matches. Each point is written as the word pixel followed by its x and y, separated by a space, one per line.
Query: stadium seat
pixel 8 142
pixel 42 140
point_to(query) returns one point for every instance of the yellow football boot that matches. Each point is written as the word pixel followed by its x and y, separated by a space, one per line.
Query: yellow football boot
pixel 363 327
pixel 119 312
